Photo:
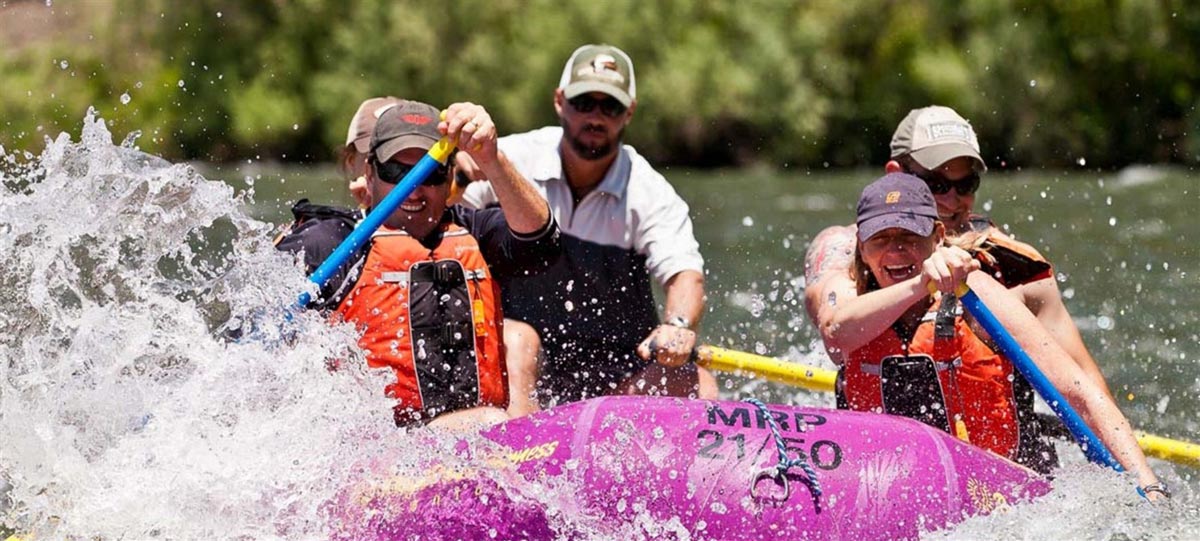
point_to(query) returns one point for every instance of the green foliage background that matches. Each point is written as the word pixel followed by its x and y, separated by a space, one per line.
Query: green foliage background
pixel 805 84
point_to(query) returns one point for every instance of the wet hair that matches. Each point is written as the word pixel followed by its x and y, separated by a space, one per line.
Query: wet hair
pixel 864 280
pixel 907 162
pixel 345 161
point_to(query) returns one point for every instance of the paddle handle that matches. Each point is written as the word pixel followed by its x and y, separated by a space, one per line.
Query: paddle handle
pixel 437 156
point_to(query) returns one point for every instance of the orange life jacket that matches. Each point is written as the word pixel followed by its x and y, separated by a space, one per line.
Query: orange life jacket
pixel 973 388
pixel 433 317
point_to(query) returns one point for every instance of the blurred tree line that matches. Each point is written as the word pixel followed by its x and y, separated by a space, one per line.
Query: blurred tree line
pixel 796 84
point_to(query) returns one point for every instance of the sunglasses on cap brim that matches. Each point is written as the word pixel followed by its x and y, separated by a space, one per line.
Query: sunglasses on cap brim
pixel 609 106
pixel 393 172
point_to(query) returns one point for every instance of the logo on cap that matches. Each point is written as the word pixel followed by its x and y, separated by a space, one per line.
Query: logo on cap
pixel 955 130
pixel 892 198
pixel 604 66
pixel 419 120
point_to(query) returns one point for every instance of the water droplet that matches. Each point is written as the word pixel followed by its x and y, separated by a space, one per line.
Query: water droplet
pixel 1032 83
pixel 1081 161
pixel 63 64
pixel 569 306
pixel 659 432
pixel 748 221
pixel 1104 323
pixel 180 83
pixel 125 99
pixel 219 14
pixel 295 127
pixel 1112 221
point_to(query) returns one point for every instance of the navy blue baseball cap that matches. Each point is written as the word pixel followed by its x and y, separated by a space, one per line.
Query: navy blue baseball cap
pixel 896 200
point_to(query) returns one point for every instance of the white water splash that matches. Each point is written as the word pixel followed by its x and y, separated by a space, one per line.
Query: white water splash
pixel 124 414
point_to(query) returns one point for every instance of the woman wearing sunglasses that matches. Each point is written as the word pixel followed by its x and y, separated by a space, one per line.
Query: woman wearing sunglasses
pixel 905 352
pixel 940 147
pixel 424 291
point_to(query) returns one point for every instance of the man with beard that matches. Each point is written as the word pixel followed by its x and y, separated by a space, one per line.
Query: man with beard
pixel 590 324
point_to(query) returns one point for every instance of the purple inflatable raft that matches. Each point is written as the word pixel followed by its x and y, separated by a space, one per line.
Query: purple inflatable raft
pixel 633 466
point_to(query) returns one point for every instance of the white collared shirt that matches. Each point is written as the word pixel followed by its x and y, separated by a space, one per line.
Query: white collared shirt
pixel 633 207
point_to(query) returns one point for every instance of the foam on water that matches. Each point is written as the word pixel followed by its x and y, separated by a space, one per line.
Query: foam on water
pixel 123 414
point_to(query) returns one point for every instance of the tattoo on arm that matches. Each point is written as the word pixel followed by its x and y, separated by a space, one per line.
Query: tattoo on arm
pixel 831 250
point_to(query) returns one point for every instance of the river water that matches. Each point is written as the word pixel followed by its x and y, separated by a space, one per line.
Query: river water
pixel 124 415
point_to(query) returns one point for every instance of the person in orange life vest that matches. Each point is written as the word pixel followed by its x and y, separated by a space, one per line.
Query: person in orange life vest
pixel 424 291
pixel 881 324
pixel 939 146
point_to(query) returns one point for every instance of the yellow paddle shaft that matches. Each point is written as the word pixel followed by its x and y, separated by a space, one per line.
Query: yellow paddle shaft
pixel 795 374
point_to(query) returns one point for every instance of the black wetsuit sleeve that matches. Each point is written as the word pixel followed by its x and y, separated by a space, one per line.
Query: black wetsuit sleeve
pixel 316 239
pixel 509 253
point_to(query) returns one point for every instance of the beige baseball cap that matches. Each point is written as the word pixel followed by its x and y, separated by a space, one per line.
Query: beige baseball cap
pixel 599 68
pixel 935 135
pixel 364 120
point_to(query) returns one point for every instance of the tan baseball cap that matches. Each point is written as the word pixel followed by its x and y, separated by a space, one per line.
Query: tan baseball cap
pixel 599 68
pixel 363 123
pixel 935 135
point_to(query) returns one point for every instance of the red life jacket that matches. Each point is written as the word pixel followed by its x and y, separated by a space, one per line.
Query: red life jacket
pixel 433 317
pixel 973 386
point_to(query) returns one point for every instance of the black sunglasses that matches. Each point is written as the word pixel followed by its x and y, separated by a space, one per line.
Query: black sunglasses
pixel 393 172
pixel 609 106
pixel 939 184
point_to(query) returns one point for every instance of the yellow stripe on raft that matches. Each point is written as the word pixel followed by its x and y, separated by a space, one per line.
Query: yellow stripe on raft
pixel 822 379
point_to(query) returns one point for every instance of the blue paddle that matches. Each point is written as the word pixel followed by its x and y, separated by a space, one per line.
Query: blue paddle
pixel 1093 448
pixel 437 156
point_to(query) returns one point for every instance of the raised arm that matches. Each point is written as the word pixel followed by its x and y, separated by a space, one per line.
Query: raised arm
pixel 1090 400
pixel 472 128
pixel 848 321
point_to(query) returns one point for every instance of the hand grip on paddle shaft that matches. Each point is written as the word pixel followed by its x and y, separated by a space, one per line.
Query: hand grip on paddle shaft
pixel 437 156
pixel 1093 448
pixel 693 356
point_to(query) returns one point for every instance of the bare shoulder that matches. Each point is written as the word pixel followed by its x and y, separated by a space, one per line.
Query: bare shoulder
pixel 1039 294
pixel 831 250
pixel 829 256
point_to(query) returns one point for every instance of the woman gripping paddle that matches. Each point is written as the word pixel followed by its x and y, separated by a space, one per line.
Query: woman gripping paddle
pixel 904 352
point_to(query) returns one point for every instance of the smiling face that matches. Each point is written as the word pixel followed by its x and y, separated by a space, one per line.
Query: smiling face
pixel 895 254
pixel 421 212
pixel 954 209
